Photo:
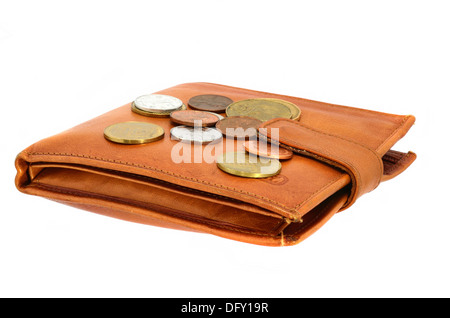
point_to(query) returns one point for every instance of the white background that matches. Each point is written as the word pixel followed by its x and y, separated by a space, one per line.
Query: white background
pixel 62 63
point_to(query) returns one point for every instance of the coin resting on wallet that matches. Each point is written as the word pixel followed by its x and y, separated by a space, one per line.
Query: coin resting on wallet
pixel 210 102
pixel 247 165
pixel 196 135
pixel 239 127
pixel 133 133
pixel 259 108
pixel 156 105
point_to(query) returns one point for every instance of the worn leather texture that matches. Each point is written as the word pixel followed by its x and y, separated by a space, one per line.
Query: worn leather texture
pixel 341 153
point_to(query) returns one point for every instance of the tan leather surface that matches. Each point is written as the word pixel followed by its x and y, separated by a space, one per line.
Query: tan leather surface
pixel 142 183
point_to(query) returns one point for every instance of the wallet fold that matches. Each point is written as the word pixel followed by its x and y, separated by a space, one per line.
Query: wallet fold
pixel 341 153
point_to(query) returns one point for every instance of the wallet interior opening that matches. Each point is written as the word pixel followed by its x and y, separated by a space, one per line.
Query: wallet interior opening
pixel 153 195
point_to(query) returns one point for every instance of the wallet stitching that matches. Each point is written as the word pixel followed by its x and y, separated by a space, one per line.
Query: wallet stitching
pixel 149 179
pixel 179 187
pixel 289 209
pixel 140 204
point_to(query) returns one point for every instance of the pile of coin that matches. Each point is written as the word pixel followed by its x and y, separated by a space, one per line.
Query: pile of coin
pixel 198 125
pixel 203 124
pixel 156 105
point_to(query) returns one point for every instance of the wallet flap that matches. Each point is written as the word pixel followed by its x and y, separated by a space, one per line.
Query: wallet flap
pixel 363 164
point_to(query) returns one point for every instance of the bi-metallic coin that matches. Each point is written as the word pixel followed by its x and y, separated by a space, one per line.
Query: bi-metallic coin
pixel 295 110
pixel 260 108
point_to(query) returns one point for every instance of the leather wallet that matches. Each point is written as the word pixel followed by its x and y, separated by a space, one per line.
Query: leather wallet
pixel 340 153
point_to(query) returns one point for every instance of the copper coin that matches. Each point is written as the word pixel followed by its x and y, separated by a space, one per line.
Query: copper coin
pixel 263 148
pixel 210 102
pixel 193 118
pixel 239 127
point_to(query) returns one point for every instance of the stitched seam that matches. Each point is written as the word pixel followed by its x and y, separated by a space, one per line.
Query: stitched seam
pixel 275 203
pixel 157 170
pixel 294 209
pixel 168 184
pixel 176 186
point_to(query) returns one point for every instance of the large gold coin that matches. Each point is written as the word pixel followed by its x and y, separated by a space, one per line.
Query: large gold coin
pixel 261 108
pixel 295 110
pixel 243 164
pixel 133 133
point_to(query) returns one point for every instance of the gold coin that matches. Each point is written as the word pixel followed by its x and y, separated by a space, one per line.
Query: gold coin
pixel 243 164
pixel 154 114
pixel 133 133
pixel 295 110
pixel 260 108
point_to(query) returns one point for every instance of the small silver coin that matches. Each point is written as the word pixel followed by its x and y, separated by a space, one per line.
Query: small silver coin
pixel 197 135
pixel 157 103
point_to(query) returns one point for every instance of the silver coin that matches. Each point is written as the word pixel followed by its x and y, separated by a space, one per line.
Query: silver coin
pixel 157 103
pixel 199 135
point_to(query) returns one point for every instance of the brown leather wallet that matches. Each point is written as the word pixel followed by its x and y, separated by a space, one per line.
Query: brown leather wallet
pixel 340 153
